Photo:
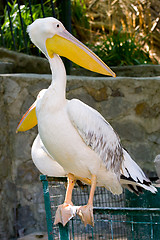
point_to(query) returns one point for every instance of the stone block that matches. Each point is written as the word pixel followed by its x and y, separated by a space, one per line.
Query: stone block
pixel 27 173
pixel 115 107
pixel 145 110
pixel 129 130
pixel 6 67
pixel 12 90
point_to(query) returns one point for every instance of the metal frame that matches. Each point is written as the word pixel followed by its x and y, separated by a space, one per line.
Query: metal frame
pixel 133 217
pixel 47 204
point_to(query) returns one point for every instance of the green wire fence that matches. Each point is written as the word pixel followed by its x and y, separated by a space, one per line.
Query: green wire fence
pixel 116 217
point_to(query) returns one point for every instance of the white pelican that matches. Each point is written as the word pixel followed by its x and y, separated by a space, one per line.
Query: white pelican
pixel 74 134
pixel 132 177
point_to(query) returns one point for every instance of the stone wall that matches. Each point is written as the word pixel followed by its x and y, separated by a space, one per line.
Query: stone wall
pixel 131 105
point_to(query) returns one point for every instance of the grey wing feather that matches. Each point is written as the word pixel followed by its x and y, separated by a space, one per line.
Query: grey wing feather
pixel 97 133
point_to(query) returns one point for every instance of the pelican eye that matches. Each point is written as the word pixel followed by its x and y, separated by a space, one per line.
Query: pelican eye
pixel 57 25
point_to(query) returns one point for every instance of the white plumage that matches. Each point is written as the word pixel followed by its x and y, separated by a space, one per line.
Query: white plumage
pixel 74 134
pixel 132 176
pixel 43 161
pixel 80 140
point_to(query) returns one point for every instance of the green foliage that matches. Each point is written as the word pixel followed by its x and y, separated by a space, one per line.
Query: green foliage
pixel 79 20
pixel 121 49
pixel 80 24
pixel 16 23
pixel 116 49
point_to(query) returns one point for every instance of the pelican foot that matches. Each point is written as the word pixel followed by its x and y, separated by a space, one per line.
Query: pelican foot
pixel 86 214
pixel 64 213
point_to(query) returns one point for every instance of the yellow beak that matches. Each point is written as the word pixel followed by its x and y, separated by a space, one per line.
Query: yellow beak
pixel 66 45
pixel 29 119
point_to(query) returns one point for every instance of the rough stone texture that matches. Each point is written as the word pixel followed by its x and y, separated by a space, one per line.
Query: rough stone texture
pixel 145 70
pixel 35 236
pixel 15 62
pixel 6 67
pixel 131 105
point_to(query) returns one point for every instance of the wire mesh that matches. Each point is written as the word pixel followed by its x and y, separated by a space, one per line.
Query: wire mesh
pixel 113 218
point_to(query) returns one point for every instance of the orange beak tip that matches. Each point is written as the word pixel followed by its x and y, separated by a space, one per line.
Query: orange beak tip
pixel 17 131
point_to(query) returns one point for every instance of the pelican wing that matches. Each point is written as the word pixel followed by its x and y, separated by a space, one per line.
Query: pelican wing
pixel 97 133
pixel 133 178
pixel 43 160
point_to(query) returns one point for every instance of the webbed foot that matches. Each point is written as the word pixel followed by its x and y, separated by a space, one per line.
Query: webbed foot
pixel 86 214
pixel 64 213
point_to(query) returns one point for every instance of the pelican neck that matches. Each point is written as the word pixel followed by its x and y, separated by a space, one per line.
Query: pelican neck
pixel 58 75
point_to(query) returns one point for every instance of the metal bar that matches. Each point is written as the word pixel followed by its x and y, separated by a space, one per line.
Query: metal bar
pixel 30 9
pixel 53 12
pixel 64 231
pixel 2 38
pixel 47 204
pixel 72 228
pixel 126 211
pixel 92 233
pixel 111 227
pixel 129 221
pixel 65 18
pixel 21 20
pixel 132 228
pixel 42 8
pixel 151 221
pixel 11 26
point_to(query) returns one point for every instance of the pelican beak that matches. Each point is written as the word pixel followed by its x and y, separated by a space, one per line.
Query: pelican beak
pixel 66 45
pixel 29 119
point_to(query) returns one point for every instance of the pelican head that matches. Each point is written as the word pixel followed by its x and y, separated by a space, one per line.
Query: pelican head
pixel 51 37
pixel 42 29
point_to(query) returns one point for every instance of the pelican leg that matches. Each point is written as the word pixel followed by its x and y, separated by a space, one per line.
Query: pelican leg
pixel 66 211
pixel 86 212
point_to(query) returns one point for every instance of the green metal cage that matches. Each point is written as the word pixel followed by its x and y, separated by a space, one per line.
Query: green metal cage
pixel 123 217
